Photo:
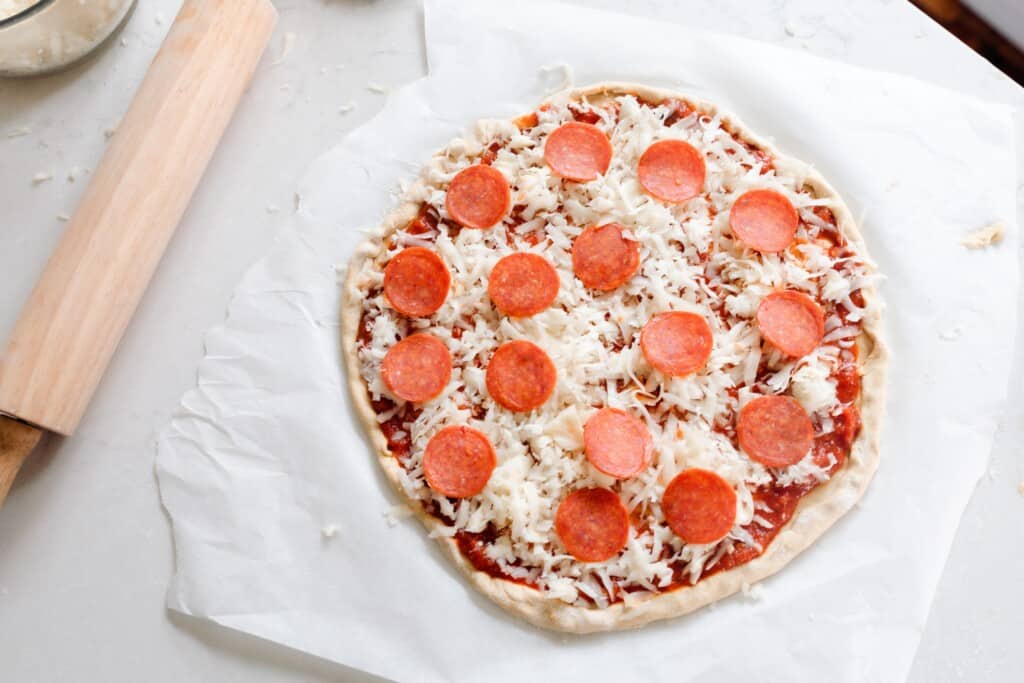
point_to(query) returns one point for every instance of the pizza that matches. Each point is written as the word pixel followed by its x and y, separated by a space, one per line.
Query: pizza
pixel 620 355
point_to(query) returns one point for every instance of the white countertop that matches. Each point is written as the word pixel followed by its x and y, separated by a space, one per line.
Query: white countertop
pixel 85 552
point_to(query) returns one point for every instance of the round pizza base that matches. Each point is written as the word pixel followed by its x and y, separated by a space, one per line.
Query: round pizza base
pixel 815 513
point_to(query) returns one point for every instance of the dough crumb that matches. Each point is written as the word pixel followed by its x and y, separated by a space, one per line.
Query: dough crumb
pixel 323 71
pixel 397 513
pixel 74 172
pixel 799 29
pixel 109 132
pixel 273 208
pixel 755 592
pixel 63 217
pixel 985 237
pixel 951 334
pixel 376 87
pixel 18 132
pixel 159 19
pixel 340 67
pixel 346 108
pixel 124 42
pixel 42 177
pixel 329 531
pixel 549 77
pixel 287 43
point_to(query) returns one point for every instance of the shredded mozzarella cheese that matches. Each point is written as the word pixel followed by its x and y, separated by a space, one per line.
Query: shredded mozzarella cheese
pixel 689 261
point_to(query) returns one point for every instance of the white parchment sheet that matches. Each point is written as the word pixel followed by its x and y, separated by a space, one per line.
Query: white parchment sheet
pixel 266 451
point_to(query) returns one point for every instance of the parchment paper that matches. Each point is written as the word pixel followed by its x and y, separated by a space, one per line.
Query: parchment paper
pixel 265 452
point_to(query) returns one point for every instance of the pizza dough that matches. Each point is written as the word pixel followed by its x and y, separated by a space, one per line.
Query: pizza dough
pixel 691 400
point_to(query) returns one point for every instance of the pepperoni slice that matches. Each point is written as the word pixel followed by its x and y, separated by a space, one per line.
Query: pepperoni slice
pixel 792 322
pixel 478 197
pixel 520 376
pixel 416 282
pixel 522 285
pixel 774 430
pixel 592 524
pixel 458 462
pixel 617 443
pixel 417 368
pixel 699 506
pixel 578 151
pixel 672 171
pixel 677 343
pixel 764 220
pixel 603 258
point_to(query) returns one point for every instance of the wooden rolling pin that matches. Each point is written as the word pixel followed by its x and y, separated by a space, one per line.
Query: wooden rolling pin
pixel 75 317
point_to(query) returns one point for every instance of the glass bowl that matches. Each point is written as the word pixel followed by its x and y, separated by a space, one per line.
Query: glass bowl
pixel 43 36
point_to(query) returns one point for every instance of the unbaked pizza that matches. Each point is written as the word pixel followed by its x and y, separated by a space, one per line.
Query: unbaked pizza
pixel 620 355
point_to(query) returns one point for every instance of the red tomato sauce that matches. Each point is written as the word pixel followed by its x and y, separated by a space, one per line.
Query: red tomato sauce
pixel 473 546
pixel 395 429
pixel 590 117
pixel 426 221
pixel 776 505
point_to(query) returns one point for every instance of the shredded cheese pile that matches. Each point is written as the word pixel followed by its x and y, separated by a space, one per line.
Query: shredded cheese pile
pixel 689 262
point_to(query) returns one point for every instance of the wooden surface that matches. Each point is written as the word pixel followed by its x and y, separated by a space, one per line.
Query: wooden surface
pixel 17 440
pixel 990 41
pixel 92 283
